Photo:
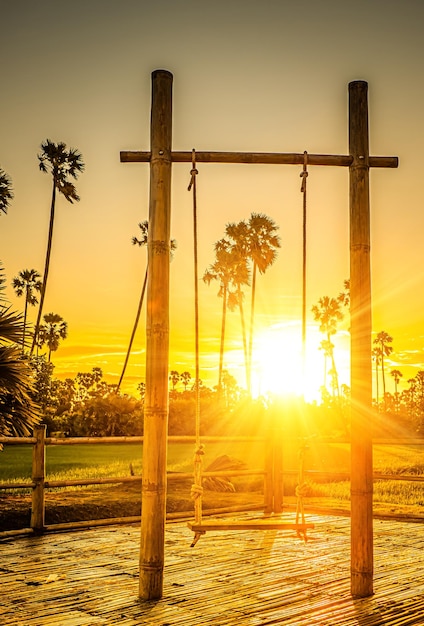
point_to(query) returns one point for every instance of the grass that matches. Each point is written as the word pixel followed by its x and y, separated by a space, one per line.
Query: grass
pixel 71 462
pixel 102 460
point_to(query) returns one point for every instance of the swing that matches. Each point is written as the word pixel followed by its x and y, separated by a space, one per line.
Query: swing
pixel 199 527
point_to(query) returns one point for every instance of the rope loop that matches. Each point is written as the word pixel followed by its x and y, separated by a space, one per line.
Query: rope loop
pixel 193 171
pixel 200 450
pixel 302 490
pixel 196 492
pixel 304 173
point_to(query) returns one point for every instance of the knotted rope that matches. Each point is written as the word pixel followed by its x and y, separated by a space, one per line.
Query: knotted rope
pixel 301 491
pixel 197 488
pixel 304 176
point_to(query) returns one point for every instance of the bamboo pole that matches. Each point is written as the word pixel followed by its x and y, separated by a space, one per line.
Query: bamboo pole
pixel 360 324
pixel 152 549
pixel 259 158
pixel 38 478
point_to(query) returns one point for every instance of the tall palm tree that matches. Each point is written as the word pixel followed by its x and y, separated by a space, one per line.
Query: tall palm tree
pixel 174 377
pixel 52 331
pixel 185 379
pixel 62 164
pixel 376 357
pixel 238 235
pixel 263 243
pixel 18 411
pixel 26 283
pixel 397 375
pixel 6 193
pixel 328 313
pixel 222 270
pixel 382 343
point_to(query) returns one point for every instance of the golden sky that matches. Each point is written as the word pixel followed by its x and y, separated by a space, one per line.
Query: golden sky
pixel 267 76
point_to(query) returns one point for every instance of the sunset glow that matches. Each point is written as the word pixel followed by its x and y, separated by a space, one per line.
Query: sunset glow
pixel 246 102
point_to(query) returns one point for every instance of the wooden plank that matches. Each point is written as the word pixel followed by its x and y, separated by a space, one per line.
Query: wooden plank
pixel 247 578
pixel 260 158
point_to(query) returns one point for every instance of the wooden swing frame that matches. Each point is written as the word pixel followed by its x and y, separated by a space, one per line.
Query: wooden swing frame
pixel 199 526
pixel 161 158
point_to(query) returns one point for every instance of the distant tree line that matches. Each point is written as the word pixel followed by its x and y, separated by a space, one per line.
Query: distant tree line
pixel 87 405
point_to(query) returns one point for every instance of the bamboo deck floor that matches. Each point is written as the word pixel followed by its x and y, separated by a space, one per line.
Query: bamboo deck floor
pixel 243 578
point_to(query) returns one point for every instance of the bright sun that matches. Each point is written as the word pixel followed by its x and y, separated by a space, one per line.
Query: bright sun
pixel 278 363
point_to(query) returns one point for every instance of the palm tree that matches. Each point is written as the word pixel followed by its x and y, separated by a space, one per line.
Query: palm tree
pixel 18 411
pixel 174 377
pixel 62 164
pixel 185 379
pixel 376 356
pixel 397 375
pixel 52 331
pixel 238 233
pixel 263 243
pixel 6 193
pixel 328 313
pixel 382 342
pixel 223 270
pixel 26 282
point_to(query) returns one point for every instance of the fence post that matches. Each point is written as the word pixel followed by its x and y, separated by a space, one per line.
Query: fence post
pixel 269 473
pixel 278 466
pixel 273 485
pixel 38 478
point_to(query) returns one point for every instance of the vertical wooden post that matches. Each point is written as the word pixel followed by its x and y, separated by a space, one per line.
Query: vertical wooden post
pixel 361 374
pixel 279 420
pixel 38 477
pixel 152 549
pixel 273 483
pixel 269 473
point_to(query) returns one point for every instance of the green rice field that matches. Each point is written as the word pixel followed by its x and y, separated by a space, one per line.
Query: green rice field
pixel 73 462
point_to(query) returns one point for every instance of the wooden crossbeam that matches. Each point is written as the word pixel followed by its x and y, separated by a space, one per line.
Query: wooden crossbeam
pixel 260 158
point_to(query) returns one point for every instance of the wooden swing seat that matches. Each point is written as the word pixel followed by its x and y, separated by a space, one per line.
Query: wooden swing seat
pixel 265 524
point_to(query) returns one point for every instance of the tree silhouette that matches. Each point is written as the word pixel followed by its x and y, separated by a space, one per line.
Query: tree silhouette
pixel 328 313
pixel 258 241
pixel 18 412
pixel 397 375
pixel 26 283
pixel 376 357
pixel 238 235
pixel 224 270
pixel 381 342
pixel 62 164
pixel 185 379
pixel 6 193
pixel 51 332
pixel 174 377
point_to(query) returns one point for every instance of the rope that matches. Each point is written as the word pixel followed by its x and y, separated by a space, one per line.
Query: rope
pixel 301 491
pixel 304 176
pixel 196 489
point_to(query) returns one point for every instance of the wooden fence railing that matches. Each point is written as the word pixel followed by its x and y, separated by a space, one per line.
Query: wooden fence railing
pixel 39 482
pixel 272 471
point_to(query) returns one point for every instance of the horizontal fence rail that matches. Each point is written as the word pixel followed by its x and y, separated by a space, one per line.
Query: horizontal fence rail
pixel 272 473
